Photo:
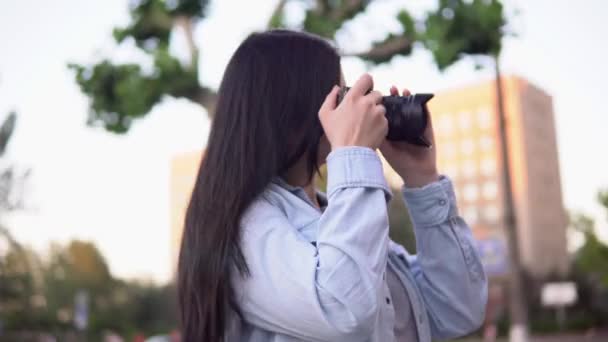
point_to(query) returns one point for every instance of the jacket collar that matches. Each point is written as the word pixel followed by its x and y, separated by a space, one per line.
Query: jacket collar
pixel 300 193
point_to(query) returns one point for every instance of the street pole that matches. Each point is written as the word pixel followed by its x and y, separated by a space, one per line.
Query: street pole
pixel 518 331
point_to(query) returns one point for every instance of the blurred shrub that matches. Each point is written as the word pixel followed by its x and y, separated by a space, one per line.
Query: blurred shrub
pixel 38 297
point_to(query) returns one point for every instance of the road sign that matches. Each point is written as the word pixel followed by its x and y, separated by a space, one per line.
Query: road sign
pixel 494 255
pixel 559 294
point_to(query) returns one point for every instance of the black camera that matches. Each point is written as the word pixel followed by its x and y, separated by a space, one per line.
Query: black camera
pixel 407 117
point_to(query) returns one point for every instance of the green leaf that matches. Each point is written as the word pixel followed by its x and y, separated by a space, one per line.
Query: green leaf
pixel 459 28
pixel 118 93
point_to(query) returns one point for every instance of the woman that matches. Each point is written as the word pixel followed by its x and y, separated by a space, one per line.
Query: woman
pixel 266 257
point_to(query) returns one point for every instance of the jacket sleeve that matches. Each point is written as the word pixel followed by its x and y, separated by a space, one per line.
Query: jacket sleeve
pixel 447 269
pixel 326 292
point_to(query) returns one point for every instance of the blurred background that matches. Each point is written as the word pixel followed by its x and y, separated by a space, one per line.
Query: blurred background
pixel 105 108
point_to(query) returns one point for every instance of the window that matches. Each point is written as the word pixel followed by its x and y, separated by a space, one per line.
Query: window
pixel 469 169
pixel 470 192
pixel 484 118
pixel 467 147
pixel 488 166
pixel 444 125
pixel 464 121
pixel 486 143
pixel 489 190
pixel 491 213
pixel 448 150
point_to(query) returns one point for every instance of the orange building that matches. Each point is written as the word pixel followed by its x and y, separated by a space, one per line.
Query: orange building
pixel 466 133
pixel 183 173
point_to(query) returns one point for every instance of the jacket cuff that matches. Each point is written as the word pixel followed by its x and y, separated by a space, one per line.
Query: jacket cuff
pixel 432 204
pixel 355 166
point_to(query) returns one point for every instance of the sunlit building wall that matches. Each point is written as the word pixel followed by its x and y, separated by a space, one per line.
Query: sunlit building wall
pixel 183 173
pixel 466 130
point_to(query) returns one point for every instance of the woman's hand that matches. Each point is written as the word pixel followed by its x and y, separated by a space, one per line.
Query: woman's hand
pixel 359 119
pixel 417 165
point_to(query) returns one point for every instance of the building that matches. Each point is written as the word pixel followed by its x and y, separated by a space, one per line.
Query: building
pixel 466 133
pixel 183 172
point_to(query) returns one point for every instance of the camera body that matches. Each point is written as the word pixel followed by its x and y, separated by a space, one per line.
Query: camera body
pixel 407 116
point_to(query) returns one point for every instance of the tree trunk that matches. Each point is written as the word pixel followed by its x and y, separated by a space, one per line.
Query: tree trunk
pixel 186 24
pixel 517 301
pixel 278 10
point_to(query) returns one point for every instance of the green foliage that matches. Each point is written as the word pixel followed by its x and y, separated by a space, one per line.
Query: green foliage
pixel 592 257
pixel 459 28
pixel 173 78
pixel 151 26
pixel 12 180
pixel 39 296
pixel 329 15
pixel 17 286
pixel 121 93
pixel 602 198
pixel 589 269
pixel 401 227
pixel 153 21
pixel 118 93
pixel 276 21
pixel 321 178
pixel 189 8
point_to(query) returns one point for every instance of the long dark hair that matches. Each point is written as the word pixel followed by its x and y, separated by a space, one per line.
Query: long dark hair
pixel 265 120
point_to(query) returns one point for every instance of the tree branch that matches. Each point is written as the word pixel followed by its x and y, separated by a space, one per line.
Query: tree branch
pixel 385 50
pixel 186 24
pixel 6 130
pixel 278 10
pixel 205 97
pixel 346 9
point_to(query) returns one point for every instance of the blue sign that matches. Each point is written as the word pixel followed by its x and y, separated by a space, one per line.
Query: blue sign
pixel 494 255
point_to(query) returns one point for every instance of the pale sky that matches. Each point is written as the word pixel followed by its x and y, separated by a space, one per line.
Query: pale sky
pixel 114 190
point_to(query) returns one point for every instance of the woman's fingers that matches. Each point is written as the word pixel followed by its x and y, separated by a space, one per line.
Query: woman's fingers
pixel 362 86
pixel 395 91
pixel 376 97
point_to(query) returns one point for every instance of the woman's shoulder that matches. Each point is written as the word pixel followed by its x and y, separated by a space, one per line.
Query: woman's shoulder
pixel 263 208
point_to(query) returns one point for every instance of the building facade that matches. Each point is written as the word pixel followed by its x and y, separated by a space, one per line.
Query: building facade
pixel 183 174
pixel 465 122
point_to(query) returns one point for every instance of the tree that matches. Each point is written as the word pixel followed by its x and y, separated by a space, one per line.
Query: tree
pixel 18 265
pixel 114 304
pixel 121 93
pixel 592 257
pixel 589 267
pixel 11 180
pixel 19 288
pixel 78 267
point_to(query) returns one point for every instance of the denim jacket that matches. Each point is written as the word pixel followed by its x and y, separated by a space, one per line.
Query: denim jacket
pixel 319 275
